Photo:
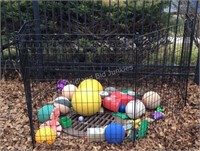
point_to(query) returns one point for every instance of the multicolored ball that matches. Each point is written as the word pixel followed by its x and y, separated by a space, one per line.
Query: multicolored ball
pixel 63 104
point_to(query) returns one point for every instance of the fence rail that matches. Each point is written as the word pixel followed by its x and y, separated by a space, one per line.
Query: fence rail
pixel 90 21
pixel 138 45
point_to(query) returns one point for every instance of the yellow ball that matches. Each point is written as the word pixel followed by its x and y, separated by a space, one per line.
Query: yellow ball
pixel 45 134
pixel 91 84
pixel 86 102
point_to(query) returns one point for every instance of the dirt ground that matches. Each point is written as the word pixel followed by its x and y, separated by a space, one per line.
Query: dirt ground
pixel 177 131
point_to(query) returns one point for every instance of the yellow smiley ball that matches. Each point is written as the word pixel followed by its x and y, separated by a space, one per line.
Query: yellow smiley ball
pixel 45 134
pixel 86 102
pixel 91 84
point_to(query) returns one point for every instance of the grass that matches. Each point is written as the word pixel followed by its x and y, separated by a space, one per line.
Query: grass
pixel 194 55
pixel 173 57
pixel 8 53
pixel 180 27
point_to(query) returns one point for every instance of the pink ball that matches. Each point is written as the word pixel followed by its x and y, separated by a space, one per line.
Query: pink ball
pixel 68 91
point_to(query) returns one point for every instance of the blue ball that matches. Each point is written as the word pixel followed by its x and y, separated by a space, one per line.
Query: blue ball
pixel 114 133
pixel 122 109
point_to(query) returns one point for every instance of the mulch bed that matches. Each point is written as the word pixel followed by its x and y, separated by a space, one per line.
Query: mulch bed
pixel 178 130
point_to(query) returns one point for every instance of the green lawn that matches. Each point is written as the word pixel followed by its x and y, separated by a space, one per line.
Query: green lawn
pixel 167 55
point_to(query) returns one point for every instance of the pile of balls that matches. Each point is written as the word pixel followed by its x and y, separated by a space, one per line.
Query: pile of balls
pixel 88 99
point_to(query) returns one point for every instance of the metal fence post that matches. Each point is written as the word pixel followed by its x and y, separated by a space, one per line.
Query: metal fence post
pixel 196 79
pixel 197 24
pixel 25 70
pixel 38 39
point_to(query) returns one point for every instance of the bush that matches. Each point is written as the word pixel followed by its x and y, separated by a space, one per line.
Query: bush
pixel 90 16
pixel 99 20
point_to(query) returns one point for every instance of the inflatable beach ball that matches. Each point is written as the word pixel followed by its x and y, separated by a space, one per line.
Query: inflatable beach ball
pixel 91 84
pixel 151 100
pixel 135 109
pixel 45 134
pixel 86 102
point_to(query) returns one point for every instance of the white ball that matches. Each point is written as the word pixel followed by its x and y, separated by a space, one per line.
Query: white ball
pixel 68 91
pixel 135 109
pixel 151 100
pixel 80 118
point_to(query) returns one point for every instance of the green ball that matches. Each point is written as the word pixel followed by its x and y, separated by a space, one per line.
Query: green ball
pixel 45 112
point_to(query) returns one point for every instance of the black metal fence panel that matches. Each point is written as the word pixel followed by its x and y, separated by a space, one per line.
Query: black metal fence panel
pixel 91 17
pixel 13 14
pixel 139 45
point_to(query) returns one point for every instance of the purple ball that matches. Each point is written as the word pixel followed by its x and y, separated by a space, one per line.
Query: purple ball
pixel 61 84
pixel 157 115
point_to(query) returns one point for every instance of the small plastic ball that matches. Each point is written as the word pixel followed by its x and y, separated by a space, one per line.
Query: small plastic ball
pixel 68 91
pixel 151 100
pixel 157 115
pixel 122 109
pixel 135 109
pixel 61 83
pixel 81 118
pixel 45 134
pixel 63 104
pixel 45 112
pixel 114 133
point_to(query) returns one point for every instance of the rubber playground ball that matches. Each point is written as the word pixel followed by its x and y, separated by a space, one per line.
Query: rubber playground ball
pixel 86 102
pixel 151 100
pixel 45 134
pixel 68 91
pixel 91 84
pixel 45 112
pixel 135 109
pixel 63 104
pixel 114 133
